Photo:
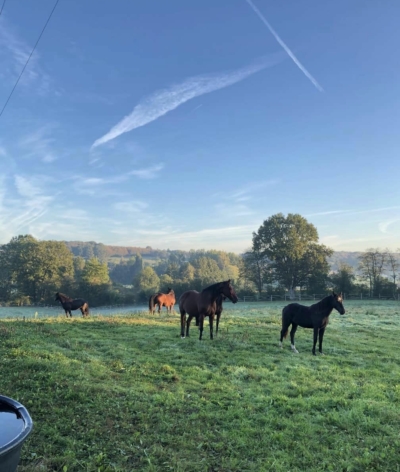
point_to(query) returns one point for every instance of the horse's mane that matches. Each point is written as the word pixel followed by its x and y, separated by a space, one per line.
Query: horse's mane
pixel 62 295
pixel 324 304
pixel 213 288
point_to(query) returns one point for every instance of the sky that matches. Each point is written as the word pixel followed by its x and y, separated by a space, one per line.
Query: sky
pixel 184 125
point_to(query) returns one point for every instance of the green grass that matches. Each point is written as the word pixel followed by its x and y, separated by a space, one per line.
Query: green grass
pixel 127 394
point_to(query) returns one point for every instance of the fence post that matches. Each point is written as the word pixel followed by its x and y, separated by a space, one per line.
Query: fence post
pixel 271 298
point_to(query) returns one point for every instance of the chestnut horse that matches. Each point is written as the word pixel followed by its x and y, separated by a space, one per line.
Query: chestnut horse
pixel 73 304
pixel 315 316
pixel 201 304
pixel 162 299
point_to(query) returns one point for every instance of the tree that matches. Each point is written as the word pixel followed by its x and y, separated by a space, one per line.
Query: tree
pixel 291 245
pixel 35 269
pixel 343 279
pixel 371 265
pixel 100 251
pixel 165 282
pixel 207 271
pixel 187 272
pixel 393 264
pixel 256 268
pixel 147 282
pixel 95 273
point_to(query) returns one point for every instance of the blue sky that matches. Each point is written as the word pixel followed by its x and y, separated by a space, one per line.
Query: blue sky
pixel 186 124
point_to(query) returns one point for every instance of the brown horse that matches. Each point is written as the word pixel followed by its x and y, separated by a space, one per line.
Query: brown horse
pixel 73 304
pixel 200 305
pixel 162 299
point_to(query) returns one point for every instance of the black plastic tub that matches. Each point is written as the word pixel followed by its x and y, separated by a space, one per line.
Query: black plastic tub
pixel 15 427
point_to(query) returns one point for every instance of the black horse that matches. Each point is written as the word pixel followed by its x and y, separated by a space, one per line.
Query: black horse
pixel 218 310
pixel 315 316
pixel 73 304
pixel 201 304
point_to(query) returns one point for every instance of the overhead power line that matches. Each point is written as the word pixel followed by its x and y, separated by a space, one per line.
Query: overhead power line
pixel 30 55
pixel 1 11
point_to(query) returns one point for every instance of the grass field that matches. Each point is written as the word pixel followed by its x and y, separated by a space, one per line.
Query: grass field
pixel 125 393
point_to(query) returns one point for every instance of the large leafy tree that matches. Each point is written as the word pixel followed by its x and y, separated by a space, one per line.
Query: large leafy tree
pixel 95 273
pixel 207 271
pixel 147 282
pixel 290 245
pixel 35 269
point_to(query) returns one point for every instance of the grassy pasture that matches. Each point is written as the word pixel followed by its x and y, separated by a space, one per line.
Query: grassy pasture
pixel 125 393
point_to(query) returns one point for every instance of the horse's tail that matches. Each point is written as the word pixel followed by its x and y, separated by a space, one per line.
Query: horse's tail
pixel 151 302
pixel 285 324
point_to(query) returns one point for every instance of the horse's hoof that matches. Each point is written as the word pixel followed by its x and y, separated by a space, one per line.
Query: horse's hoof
pixel 313 354
pixel 321 353
pixel 182 337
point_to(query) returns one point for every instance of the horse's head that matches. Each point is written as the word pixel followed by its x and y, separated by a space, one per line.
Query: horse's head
pixel 57 296
pixel 228 291
pixel 169 290
pixel 338 303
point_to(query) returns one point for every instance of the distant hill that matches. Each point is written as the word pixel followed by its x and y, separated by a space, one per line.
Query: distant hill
pixel 90 249
pixel 106 253
pixel 350 258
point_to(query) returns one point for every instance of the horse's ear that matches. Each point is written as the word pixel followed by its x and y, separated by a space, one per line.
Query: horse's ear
pixel 333 293
pixel 229 281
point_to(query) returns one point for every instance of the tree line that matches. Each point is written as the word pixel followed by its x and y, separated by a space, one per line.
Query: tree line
pixel 285 257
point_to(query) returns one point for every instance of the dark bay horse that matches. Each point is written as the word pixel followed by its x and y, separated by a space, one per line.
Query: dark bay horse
pixel 201 304
pixel 73 304
pixel 162 299
pixel 218 310
pixel 315 316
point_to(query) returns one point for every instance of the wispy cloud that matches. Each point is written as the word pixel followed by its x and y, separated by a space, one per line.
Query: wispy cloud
pixel 327 213
pixel 285 47
pixel 384 225
pixel 166 100
pixel 28 203
pixel 39 144
pixel 147 173
pixel 237 202
pixel 135 206
pixel 353 212
pixel 14 53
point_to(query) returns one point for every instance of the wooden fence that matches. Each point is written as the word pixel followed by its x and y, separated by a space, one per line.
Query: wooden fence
pixel 315 296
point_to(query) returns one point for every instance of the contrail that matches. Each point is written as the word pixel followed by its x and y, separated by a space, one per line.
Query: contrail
pixel 288 51
pixel 166 100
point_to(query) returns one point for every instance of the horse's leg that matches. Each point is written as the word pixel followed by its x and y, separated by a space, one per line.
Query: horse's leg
pixel 159 307
pixel 66 313
pixel 316 330
pixel 218 317
pixel 82 311
pixel 320 338
pixel 201 325
pixel 70 314
pixel 183 322
pixel 211 326
pixel 190 317
pixel 284 331
pixel 292 333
